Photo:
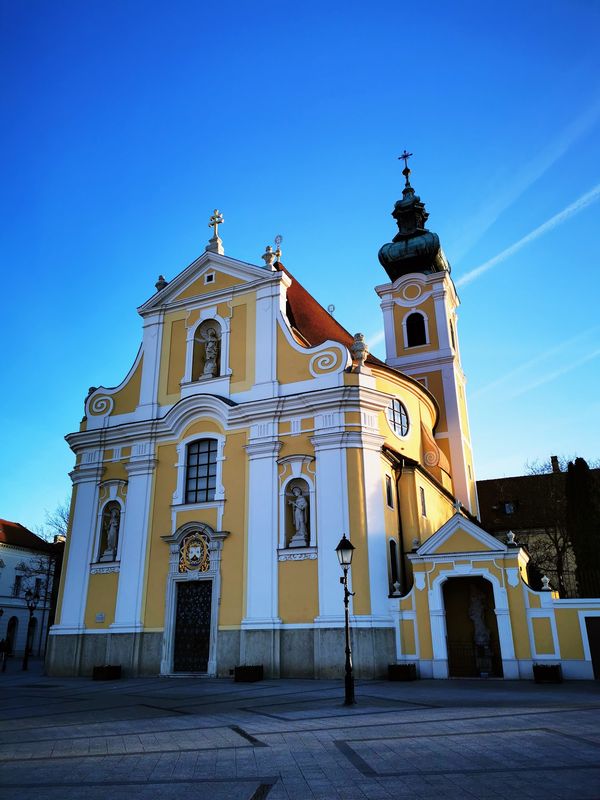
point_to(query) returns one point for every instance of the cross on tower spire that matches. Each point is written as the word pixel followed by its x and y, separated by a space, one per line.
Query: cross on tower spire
pixel 406 171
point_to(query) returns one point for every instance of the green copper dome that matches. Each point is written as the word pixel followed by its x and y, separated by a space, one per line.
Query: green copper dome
pixel 414 248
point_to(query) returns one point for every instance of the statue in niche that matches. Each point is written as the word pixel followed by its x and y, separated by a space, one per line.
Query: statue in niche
pixel 212 344
pixel 111 519
pixel 299 505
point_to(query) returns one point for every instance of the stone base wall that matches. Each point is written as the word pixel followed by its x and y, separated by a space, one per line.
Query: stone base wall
pixel 77 654
pixel 284 653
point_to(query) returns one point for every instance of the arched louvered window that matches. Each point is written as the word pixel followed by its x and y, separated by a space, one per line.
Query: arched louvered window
pixel 416 333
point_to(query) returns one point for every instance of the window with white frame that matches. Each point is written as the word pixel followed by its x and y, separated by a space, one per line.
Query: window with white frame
pixel 201 471
pixel 397 416
pixel 389 494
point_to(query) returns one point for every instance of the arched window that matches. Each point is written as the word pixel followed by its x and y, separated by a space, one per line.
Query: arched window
pixel 201 471
pixel 416 333
pixel 452 335
pixel 206 359
pixel 393 564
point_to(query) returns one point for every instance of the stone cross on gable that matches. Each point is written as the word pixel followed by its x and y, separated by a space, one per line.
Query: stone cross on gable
pixel 215 245
pixel 216 220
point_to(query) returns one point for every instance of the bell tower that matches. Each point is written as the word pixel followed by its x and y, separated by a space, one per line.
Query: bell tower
pixel 420 323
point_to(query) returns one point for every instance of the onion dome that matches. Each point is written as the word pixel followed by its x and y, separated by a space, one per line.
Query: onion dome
pixel 414 248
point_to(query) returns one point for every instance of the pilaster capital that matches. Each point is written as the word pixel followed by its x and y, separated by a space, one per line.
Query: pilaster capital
pixel 87 473
pixel 263 449
pixel 141 466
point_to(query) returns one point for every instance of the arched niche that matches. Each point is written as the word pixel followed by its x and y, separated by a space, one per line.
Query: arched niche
pixel 110 529
pixel 297 513
pixel 206 355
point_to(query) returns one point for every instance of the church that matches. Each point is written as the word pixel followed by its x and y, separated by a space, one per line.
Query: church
pixel 211 487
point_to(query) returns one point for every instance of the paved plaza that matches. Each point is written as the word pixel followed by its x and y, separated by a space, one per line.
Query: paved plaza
pixel 63 739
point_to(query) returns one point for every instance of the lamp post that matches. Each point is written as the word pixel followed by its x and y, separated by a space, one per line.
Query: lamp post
pixel 32 600
pixel 345 550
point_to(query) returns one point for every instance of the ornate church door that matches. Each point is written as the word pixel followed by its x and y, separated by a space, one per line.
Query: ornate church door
pixel 192 626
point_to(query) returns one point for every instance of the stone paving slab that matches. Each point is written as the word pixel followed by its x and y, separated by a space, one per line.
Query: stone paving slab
pixel 66 739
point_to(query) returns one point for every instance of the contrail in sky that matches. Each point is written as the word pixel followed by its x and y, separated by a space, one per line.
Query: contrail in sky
pixel 526 366
pixel 519 183
pixel 585 200
pixel 556 374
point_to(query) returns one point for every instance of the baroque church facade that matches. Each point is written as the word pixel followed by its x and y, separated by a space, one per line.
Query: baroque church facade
pixel 212 486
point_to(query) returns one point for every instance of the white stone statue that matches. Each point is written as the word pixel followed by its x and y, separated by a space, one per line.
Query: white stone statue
pixel 477 616
pixel 300 515
pixel 112 533
pixel 211 354
pixel 360 351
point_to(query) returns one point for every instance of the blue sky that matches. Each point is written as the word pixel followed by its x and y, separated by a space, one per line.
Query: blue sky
pixel 126 123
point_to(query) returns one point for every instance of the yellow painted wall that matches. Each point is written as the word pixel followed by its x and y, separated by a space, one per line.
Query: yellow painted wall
pixel 233 561
pixel 198 287
pixel 292 366
pixel 172 358
pixel 461 542
pixel 101 599
pixel 407 637
pixel 542 635
pixel 239 343
pixel 127 399
pixel 298 591
pixel 569 633
pixel 358 532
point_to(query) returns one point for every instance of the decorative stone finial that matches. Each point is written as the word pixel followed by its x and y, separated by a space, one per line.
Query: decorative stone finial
pixel 457 506
pixel 215 245
pixel 161 283
pixel 510 539
pixel 269 257
pixel 360 351
pixel 396 586
pixel 546 584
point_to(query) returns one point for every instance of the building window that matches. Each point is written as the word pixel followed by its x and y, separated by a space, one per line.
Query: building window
pixel 38 587
pixel 209 277
pixel 508 508
pixel 415 330
pixel 201 471
pixel 388 491
pixel 394 565
pixel 398 418
pixel 17 586
pixel 423 505
pixel 452 335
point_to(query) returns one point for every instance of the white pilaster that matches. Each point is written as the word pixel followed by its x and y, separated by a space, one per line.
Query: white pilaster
pixel 376 538
pixel 332 520
pixel 86 477
pixel 267 305
pixel 387 306
pixel 128 613
pixel 151 344
pixel 262 599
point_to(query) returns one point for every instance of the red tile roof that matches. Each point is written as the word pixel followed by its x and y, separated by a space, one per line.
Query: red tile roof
pixel 16 534
pixel 312 321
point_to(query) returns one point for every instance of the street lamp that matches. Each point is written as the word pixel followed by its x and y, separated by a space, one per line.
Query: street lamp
pixel 32 600
pixel 345 550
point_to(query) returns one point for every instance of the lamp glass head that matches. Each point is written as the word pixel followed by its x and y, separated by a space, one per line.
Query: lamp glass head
pixel 345 550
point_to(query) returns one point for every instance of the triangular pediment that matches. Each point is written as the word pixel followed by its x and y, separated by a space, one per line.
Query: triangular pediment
pixel 460 535
pixel 191 283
